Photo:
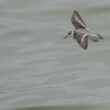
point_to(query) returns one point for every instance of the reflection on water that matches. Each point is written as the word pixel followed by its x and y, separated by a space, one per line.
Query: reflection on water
pixel 40 70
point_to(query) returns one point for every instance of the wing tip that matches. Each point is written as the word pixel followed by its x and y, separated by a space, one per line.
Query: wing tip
pixel 85 48
pixel 75 11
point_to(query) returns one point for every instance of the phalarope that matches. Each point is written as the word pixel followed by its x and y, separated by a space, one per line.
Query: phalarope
pixel 81 32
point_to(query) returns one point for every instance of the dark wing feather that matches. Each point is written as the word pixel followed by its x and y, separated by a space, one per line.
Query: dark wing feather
pixel 82 41
pixel 77 21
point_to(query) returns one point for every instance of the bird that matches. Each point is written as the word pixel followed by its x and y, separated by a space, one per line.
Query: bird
pixel 81 33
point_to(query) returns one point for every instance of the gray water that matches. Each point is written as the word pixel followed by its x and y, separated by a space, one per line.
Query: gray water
pixel 41 71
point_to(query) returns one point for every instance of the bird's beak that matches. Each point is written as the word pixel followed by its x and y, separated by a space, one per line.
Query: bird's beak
pixel 65 37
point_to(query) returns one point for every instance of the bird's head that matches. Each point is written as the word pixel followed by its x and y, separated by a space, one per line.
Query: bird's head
pixel 70 34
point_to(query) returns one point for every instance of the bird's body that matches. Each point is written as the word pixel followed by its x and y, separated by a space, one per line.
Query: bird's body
pixel 81 32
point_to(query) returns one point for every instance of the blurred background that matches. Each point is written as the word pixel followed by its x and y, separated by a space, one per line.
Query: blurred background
pixel 39 70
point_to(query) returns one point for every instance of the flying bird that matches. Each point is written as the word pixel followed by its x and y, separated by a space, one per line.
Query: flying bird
pixel 81 32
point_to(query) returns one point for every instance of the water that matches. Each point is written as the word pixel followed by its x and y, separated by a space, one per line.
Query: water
pixel 39 70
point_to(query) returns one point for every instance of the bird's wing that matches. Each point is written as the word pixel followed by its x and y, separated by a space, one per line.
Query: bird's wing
pixel 77 21
pixel 83 40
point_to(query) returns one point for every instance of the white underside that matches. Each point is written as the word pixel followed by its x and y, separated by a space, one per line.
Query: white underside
pixel 93 37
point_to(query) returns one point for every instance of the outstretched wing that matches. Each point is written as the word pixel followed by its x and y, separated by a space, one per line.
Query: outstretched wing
pixel 77 21
pixel 83 40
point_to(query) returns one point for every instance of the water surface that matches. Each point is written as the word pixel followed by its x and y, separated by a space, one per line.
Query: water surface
pixel 40 70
